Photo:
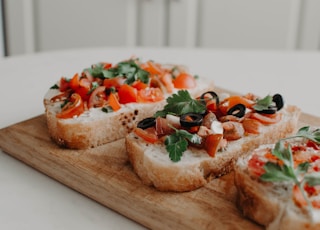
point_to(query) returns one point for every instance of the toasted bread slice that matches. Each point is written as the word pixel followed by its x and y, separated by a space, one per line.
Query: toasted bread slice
pixel 152 164
pixel 95 127
pixel 274 204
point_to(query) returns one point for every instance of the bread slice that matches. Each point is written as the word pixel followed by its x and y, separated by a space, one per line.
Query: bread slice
pixel 196 168
pixel 95 127
pixel 271 204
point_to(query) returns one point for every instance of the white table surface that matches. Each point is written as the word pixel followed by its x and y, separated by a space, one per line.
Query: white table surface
pixel 31 200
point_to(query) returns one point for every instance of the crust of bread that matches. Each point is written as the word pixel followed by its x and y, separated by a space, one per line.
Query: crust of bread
pixel 269 204
pixel 94 127
pixel 196 168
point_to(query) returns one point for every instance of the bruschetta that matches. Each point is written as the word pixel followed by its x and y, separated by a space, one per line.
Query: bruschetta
pixel 103 102
pixel 193 140
pixel 279 184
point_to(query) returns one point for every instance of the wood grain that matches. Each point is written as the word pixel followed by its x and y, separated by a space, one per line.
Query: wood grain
pixel 105 175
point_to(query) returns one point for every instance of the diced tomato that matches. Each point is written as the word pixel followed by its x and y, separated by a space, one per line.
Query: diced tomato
pixel 314 158
pixel 152 67
pixel 98 97
pixel 74 82
pixel 64 84
pixel 148 134
pixel 115 82
pixel 234 100
pixel 139 85
pixel 184 81
pixel 255 166
pixel 74 107
pixel 313 145
pixel 127 94
pixel 150 95
pixel 211 143
pixel 212 106
pixel 114 102
pixel 316 204
pixel 251 125
pixel 106 65
pixel 298 197
pixel 266 119
pixel 166 79
pixel 84 88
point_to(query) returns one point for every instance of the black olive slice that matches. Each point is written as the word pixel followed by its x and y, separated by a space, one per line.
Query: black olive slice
pixel 212 94
pixel 146 123
pixel 196 120
pixel 238 110
pixel 277 98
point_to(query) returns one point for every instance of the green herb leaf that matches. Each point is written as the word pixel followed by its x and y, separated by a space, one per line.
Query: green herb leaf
pixel 181 103
pixel 312 179
pixel 107 109
pixel 177 143
pixel 263 103
pixel 276 173
pixel 55 86
pixel 311 135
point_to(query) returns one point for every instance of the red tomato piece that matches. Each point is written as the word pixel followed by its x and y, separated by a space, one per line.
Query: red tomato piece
pixel 64 84
pixel 184 81
pixel 149 134
pixel 115 82
pixel 74 107
pixel 98 98
pixel 211 143
pixel 127 94
pixel 150 95
pixel 255 166
pixel 114 102
pixel 266 119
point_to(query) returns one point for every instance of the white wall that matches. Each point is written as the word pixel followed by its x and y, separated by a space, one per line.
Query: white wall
pixel 44 25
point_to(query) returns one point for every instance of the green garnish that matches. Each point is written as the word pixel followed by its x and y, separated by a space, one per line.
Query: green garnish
pixel 128 69
pixel 177 143
pixel 55 86
pixel 94 85
pixel 181 103
pixel 263 103
pixel 107 109
pixel 286 172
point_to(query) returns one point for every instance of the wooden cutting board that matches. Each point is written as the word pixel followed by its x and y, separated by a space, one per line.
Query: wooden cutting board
pixel 105 175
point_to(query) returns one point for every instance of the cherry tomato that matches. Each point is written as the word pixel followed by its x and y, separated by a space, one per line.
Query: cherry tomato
pixel 184 81
pixel 115 82
pixel 212 143
pixel 98 97
pixel 166 79
pixel 74 82
pixel 150 95
pixel 148 134
pixel 84 88
pixel 127 94
pixel 74 107
pixel 266 119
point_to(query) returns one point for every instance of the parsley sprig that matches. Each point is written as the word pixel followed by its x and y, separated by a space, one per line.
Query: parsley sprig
pixel 177 143
pixel 181 103
pixel 128 69
pixel 263 103
pixel 286 172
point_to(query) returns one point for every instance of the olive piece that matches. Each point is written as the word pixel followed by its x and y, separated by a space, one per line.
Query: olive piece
pixel 212 94
pixel 270 110
pixel 238 110
pixel 146 123
pixel 196 119
pixel 277 98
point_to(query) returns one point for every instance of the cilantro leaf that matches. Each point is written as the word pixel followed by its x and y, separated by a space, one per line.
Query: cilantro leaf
pixel 177 143
pixel 306 133
pixel 181 103
pixel 263 103
pixel 276 173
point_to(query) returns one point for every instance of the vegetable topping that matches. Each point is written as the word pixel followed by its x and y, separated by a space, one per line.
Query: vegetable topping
pixel 108 86
pixel 294 160
pixel 208 123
